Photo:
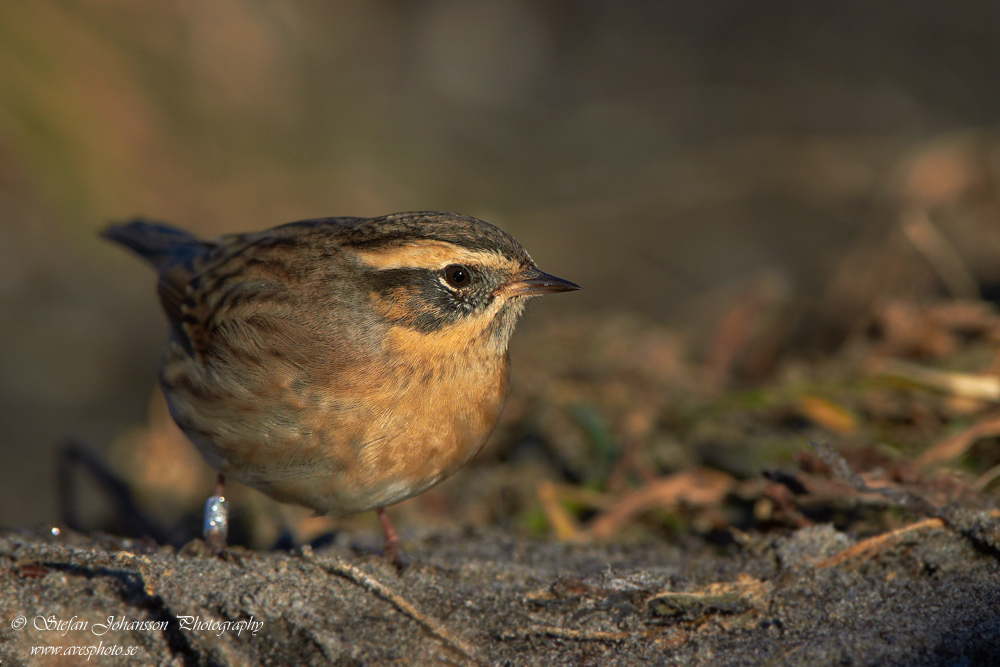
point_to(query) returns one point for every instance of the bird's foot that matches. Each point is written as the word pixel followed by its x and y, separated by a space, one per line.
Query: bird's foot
pixel 393 546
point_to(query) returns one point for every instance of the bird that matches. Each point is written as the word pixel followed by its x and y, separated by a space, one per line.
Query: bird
pixel 343 364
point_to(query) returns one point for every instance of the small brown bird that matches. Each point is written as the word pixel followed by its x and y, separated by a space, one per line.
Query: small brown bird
pixel 343 364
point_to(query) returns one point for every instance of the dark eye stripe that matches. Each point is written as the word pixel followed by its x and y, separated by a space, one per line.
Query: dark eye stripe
pixel 426 300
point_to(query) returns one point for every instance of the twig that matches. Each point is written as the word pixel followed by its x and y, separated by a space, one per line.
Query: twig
pixel 702 486
pixel 372 585
pixel 674 640
pixel 980 528
pixel 984 480
pixel 878 543
pixel 581 635
pixel 902 497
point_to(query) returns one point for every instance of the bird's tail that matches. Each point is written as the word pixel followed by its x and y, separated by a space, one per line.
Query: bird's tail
pixel 160 245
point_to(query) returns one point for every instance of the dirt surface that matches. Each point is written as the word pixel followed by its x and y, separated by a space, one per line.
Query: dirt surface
pixel 925 595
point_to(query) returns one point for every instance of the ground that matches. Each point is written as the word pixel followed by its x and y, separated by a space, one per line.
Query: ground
pixel 815 596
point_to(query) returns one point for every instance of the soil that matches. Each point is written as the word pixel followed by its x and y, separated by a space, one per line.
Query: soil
pixel 815 596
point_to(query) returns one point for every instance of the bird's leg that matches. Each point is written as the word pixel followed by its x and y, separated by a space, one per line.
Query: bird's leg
pixel 393 547
pixel 216 528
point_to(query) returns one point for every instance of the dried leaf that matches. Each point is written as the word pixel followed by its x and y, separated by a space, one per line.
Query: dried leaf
pixel 827 414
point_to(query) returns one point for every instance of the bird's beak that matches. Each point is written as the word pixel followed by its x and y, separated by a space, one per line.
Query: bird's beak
pixel 533 282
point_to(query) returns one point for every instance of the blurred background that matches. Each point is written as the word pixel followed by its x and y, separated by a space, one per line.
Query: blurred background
pixel 676 159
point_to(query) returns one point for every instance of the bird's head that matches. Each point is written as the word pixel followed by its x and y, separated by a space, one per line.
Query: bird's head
pixel 450 278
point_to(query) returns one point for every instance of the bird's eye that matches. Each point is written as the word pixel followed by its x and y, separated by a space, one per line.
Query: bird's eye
pixel 457 275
